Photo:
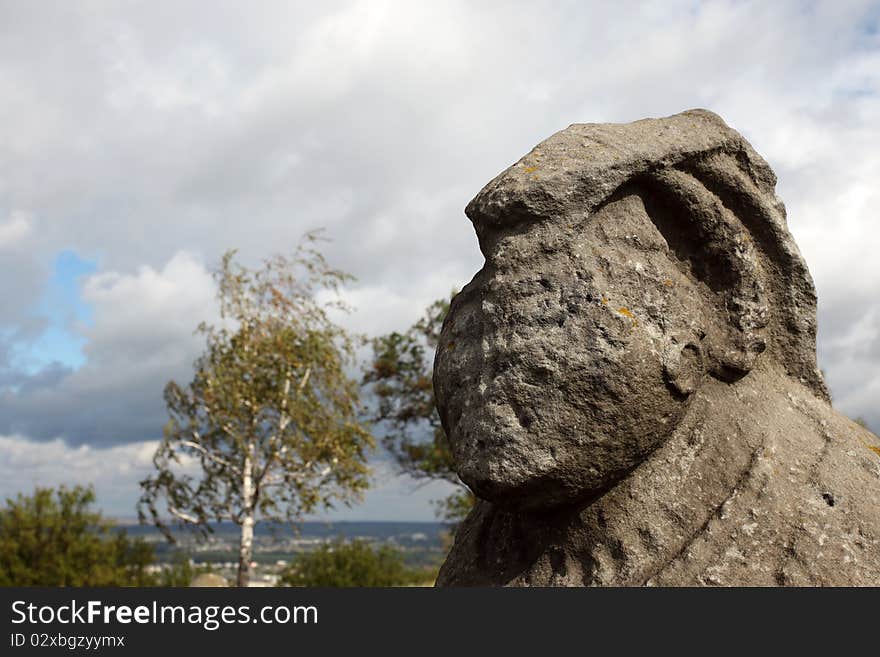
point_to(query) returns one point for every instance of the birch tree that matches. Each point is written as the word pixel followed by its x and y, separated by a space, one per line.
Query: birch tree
pixel 268 428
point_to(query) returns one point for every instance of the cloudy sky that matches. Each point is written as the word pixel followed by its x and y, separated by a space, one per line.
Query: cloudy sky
pixel 140 140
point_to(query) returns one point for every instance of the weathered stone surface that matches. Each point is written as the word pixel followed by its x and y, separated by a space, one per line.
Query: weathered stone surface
pixel 629 384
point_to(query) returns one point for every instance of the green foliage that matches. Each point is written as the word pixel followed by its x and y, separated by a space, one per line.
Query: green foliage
pixel 352 564
pixel 400 378
pixel 52 538
pixel 268 428
pixel 181 571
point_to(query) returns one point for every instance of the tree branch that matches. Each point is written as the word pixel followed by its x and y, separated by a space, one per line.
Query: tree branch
pixel 183 515
pixel 219 460
pixel 302 384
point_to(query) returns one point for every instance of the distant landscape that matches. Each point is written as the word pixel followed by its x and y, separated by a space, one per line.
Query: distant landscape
pixel 422 544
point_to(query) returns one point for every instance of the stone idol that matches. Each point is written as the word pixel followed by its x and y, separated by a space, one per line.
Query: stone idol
pixel 629 384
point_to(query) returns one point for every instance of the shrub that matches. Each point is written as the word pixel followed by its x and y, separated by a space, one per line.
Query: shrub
pixel 350 564
pixel 52 538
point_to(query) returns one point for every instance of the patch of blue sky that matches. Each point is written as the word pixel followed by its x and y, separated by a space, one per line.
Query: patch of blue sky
pixel 66 315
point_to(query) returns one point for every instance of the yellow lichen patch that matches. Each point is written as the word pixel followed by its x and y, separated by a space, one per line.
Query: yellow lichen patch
pixel 873 448
pixel 605 301
pixel 530 169
pixel 626 313
pixel 450 345
pixel 667 283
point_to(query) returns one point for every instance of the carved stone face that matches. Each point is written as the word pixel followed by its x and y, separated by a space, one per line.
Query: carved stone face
pixel 571 355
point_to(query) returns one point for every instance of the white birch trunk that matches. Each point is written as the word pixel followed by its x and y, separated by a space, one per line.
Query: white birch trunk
pixel 246 546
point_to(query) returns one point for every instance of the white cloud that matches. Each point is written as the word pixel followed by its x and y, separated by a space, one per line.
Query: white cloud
pixel 148 318
pixel 111 470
